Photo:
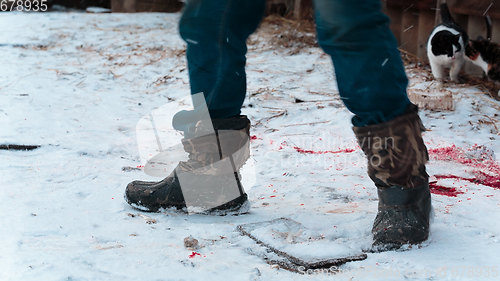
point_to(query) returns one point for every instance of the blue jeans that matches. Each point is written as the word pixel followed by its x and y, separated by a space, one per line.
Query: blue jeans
pixel 355 33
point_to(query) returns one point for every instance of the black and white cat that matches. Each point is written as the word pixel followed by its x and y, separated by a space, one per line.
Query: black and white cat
pixel 446 46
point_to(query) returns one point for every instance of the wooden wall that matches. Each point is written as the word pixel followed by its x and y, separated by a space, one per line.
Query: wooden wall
pixel 82 4
pixel 298 9
pixel 411 20
pixel 138 6
pixel 411 23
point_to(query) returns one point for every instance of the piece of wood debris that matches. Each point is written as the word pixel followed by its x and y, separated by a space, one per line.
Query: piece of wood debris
pixel 191 243
pixel 130 169
pixel 148 220
pixel 18 147
pixel 117 246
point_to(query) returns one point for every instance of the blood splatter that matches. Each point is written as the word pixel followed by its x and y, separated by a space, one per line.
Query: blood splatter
pixel 300 150
pixel 486 169
pixel 473 155
pixel 481 178
pixel 194 254
pixel 443 190
pixel 485 179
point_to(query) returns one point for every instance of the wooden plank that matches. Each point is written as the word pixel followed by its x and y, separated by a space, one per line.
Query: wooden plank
pixel 409 32
pixel 476 27
pixel 122 6
pixel 479 8
pixel 495 30
pixel 138 6
pixel 413 4
pixel 79 4
pixel 306 10
pixel 296 10
pixel 396 16
pixel 425 26
pixel 462 20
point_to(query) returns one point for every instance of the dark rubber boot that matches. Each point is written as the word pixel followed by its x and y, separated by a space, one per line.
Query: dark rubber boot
pixel 396 163
pixel 210 179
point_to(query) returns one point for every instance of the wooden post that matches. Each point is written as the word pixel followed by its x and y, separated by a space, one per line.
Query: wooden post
pixel 409 32
pixel 462 20
pixel 296 10
pixel 425 26
pixel 495 30
pixel 395 14
pixel 476 27
pixel 123 6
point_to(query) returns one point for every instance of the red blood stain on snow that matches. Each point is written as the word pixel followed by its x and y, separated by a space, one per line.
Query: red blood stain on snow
pixel 443 190
pixel 485 179
pixel 453 153
pixel 487 171
pixel 481 178
pixel 300 150
pixel 194 254
pixel 254 137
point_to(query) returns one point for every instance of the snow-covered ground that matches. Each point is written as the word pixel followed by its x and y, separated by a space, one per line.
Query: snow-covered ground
pixel 77 84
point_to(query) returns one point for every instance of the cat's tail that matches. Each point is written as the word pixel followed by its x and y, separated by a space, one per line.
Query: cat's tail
pixel 445 13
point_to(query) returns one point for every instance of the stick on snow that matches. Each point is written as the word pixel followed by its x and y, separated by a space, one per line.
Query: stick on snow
pixel 18 147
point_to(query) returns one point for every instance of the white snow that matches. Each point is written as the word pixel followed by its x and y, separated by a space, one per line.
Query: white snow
pixel 78 84
pixel 97 10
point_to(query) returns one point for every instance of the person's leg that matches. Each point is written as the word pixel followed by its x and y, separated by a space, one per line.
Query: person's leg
pixel 372 83
pixel 369 71
pixel 216 32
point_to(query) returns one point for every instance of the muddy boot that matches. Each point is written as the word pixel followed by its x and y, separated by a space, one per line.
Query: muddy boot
pixel 209 182
pixel 396 163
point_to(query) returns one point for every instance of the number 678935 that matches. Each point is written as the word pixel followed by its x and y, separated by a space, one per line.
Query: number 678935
pixel 23 5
